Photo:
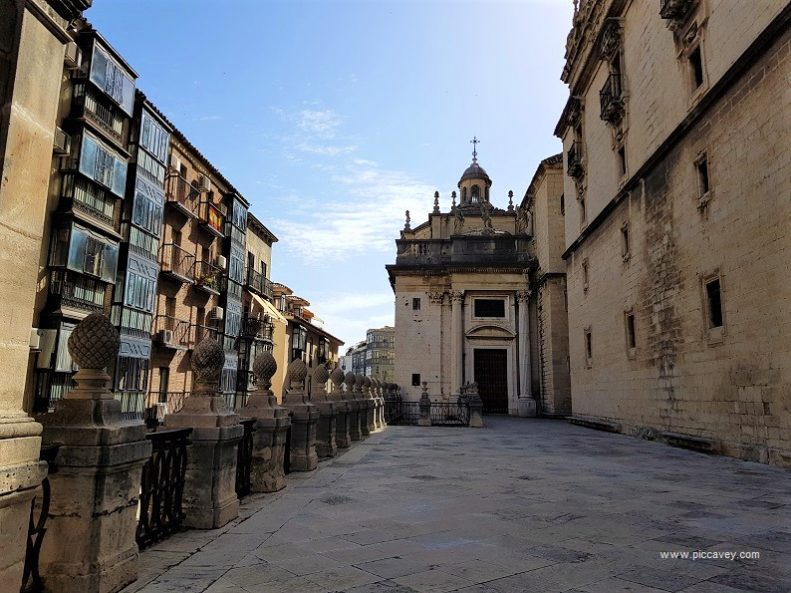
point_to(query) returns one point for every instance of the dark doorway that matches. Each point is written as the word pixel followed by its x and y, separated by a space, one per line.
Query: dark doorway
pixel 491 375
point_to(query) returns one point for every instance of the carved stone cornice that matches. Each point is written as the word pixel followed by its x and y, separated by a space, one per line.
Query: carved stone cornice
pixel 523 296
pixel 436 297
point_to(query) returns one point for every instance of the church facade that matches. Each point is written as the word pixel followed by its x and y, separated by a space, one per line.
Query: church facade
pixel 465 309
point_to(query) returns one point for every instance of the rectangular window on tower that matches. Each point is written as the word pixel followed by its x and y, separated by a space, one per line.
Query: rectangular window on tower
pixel 415 379
pixel 416 304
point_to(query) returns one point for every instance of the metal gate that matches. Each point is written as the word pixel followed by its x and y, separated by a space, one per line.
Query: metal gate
pixel 491 375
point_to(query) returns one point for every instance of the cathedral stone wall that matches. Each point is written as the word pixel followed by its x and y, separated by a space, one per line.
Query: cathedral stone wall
pixel 419 341
pixel 657 89
pixel 729 386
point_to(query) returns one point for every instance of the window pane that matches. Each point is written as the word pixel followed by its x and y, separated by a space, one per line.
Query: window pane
pixel 489 308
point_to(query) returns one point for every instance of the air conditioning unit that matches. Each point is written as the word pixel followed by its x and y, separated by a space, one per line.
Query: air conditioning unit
pixel 71 59
pixel 61 143
pixel 35 339
pixel 160 410
pixel 165 336
pixel 218 313
pixel 204 185
pixel 222 262
pixel 47 341
pixel 175 163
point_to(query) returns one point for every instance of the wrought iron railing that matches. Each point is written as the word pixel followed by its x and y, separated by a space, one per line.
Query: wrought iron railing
pixel 200 331
pixel 162 486
pixel 393 410
pixel 78 291
pixel 255 328
pixel 31 579
pixel 675 9
pixel 244 458
pixel 258 283
pixel 208 276
pixel 159 404
pixel 287 451
pixel 611 99
pixel 172 332
pixel 182 194
pixel 177 262
pixel 441 413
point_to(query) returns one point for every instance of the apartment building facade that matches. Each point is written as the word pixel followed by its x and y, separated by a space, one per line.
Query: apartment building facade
pixel 677 174
pixel 380 353
pixel 259 317
pixel 89 196
pixel 300 338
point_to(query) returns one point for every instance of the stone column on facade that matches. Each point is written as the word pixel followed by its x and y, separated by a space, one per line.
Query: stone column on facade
pixel 271 427
pixel 342 438
pixel 362 398
pixel 350 396
pixel 32 41
pixel 368 391
pixel 210 499
pixel 326 445
pixel 425 407
pixel 457 341
pixel 90 543
pixel 526 404
pixel 304 419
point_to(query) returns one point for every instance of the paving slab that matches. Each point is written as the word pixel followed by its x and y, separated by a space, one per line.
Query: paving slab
pixel 521 506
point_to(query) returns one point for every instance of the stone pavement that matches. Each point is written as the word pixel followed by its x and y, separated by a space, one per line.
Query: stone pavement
pixel 522 506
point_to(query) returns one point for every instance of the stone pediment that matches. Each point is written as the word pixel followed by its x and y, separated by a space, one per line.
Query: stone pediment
pixel 490 332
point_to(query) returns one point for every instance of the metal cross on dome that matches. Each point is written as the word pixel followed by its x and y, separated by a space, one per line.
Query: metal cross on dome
pixel 475 143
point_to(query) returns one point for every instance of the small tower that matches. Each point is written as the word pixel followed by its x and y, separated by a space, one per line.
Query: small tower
pixel 474 183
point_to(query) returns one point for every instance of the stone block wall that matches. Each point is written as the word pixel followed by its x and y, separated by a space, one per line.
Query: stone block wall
pixel 732 386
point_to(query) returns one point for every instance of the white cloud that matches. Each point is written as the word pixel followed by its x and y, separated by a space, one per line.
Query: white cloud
pixel 324 149
pixel 366 218
pixel 321 122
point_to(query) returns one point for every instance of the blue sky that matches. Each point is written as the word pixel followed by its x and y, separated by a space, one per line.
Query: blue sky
pixel 334 117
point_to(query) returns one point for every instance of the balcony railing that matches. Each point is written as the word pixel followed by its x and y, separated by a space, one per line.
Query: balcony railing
pixel 171 332
pixel 258 283
pixel 74 290
pixel 574 164
pixel 200 331
pixel 92 106
pixel 177 262
pixel 161 403
pixel 611 98
pixel 182 195
pixel 208 277
pixel 255 328
pixel 676 9
pixel 212 218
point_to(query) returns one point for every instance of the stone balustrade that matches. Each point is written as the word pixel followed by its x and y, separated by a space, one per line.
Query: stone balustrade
pixel 95 526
